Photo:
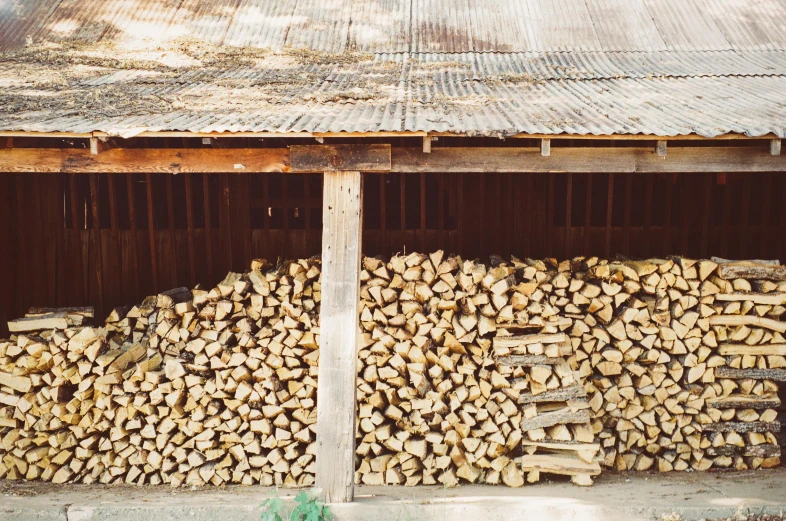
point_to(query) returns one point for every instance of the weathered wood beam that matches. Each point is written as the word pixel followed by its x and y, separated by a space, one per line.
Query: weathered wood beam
pixel 752 270
pixel 748 320
pixel 404 160
pixel 339 327
pixel 661 148
pixel 426 144
pixel 545 147
pixel 745 401
pixel 755 350
pixel 99 145
pixel 772 299
pixel 779 375
pixel 335 158
pixel 775 147
pixel 587 160
pixel 742 427
pixel 145 160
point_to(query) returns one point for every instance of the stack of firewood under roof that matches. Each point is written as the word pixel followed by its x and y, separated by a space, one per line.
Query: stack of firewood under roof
pixel 467 373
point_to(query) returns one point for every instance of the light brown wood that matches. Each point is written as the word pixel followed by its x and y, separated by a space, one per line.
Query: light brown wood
pixel 752 270
pixel 747 320
pixel 448 159
pixel 145 160
pixel 341 246
pixel 774 298
pixel 757 350
pixel 337 158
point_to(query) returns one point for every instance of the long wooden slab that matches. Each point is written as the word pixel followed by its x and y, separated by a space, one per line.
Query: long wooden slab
pixel 586 159
pixel 403 160
pixel 779 375
pixel 773 299
pixel 85 311
pixel 145 160
pixel 527 360
pixel 742 427
pixel 525 340
pixel 744 401
pixel 559 417
pixel 17 383
pixel 765 450
pixel 37 323
pixel 564 394
pixel 339 325
pixel 586 452
pixel 758 350
pixel 748 320
pixel 558 464
pixel 752 270
pixel 336 158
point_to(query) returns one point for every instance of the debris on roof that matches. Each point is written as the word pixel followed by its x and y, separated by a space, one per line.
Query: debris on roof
pixel 510 68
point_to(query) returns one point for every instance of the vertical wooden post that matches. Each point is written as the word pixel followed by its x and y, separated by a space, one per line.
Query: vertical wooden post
pixel 341 242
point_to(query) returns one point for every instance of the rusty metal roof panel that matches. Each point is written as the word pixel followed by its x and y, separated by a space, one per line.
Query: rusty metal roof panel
pixel 260 24
pixel 750 24
pixel 625 25
pixel 559 25
pixel 662 93
pixel 380 26
pixel 406 25
pixel 685 25
pixel 20 18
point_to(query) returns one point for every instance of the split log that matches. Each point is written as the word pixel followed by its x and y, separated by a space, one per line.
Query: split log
pixel 778 375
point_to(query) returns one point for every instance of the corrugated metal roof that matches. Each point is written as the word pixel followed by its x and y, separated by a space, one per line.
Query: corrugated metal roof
pixel 472 93
pixel 408 25
pixel 497 67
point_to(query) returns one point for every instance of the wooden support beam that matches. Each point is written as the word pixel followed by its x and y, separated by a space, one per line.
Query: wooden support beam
pixel 426 144
pixel 775 147
pixel 145 160
pixel 545 147
pixel 339 327
pixel 335 158
pixel 401 160
pixel 586 160
pixel 661 148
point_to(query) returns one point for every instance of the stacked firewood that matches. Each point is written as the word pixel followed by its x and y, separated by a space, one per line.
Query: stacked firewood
pixel 189 388
pixel 558 436
pixel 466 373
pixel 448 386
pixel 659 343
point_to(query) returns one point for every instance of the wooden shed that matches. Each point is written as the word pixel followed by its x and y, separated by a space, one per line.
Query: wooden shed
pixel 149 144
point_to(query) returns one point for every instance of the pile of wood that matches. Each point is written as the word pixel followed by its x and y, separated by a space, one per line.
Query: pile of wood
pixel 448 386
pixel 188 388
pixel 652 341
pixel 558 435
pixel 681 359
pixel 467 372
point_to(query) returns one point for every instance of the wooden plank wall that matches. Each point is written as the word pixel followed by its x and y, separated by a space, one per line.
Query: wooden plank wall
pixel 147 233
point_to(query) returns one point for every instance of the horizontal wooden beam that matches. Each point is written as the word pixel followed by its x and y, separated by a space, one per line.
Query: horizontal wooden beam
pixel 338 158
pixel 405 160
pixel 145 160
pixel 587 160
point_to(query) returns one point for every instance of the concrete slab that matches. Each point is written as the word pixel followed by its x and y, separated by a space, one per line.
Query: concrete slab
pixel 615 497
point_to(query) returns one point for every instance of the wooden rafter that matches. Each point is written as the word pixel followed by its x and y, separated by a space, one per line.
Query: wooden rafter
pixel 382 158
